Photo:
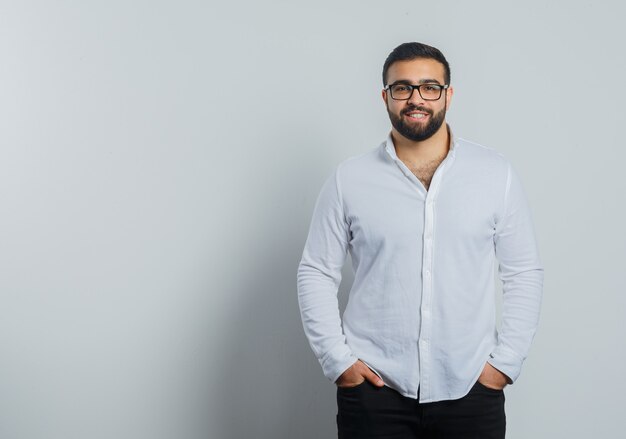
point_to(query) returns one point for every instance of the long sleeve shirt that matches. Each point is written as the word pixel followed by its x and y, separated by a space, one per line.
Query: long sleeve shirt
pixel 421 312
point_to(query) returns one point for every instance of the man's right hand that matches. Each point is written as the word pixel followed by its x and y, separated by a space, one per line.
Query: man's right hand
pixel 356 374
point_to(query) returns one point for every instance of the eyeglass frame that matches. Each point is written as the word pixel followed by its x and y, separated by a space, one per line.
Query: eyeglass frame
pixel 413 87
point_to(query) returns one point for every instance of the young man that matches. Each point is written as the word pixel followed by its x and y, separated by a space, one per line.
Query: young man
pixel 423 215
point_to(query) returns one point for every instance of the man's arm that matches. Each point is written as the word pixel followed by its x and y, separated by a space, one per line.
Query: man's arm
pixel 319 276
pixel 521 272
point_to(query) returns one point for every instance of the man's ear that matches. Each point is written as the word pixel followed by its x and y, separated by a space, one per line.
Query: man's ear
pixel 449 93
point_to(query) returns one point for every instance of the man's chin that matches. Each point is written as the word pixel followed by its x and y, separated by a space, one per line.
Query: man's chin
pixel 416 136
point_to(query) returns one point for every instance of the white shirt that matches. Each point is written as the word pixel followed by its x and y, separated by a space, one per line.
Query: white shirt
pixel 421 310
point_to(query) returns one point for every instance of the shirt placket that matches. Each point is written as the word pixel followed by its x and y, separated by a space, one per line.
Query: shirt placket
pixel 426 302
pixel 426 307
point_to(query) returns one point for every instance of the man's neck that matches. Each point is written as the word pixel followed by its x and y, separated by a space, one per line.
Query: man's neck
pixel 434 148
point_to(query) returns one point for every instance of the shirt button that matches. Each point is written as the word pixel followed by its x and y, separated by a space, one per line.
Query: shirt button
pixel 426 273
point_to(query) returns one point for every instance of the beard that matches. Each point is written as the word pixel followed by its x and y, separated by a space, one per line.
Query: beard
pixel 418 131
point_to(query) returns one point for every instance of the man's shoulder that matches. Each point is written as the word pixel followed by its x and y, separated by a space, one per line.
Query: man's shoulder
pixel 471 150
pixel 364 161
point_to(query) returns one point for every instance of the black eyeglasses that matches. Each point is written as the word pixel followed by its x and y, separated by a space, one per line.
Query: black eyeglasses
pixel 428 92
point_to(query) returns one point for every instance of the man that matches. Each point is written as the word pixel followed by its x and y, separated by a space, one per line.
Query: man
pixel 423 216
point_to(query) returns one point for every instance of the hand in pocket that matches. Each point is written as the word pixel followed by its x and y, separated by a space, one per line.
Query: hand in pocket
pixel 492 378
pixel 357 374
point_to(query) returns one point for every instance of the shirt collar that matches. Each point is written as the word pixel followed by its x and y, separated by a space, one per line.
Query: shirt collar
pixel 391 149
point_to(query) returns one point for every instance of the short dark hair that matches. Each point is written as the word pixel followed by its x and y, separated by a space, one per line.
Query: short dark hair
pixel 410 51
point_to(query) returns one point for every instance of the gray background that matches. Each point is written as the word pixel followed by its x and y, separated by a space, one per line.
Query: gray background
pixel 159 164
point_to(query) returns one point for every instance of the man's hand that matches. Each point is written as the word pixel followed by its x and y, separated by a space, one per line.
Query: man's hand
pixel 493 378
pixel 356 374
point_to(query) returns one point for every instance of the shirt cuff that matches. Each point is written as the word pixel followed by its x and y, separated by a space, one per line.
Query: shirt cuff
pixel 507 362
pixel 337 361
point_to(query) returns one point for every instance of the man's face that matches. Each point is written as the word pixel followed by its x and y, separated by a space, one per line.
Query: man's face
pixel 417 119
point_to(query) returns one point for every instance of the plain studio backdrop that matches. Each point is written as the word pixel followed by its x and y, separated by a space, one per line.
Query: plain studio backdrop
pixel 159 166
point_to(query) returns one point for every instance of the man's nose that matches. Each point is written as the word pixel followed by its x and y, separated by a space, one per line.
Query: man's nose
pixel 415 98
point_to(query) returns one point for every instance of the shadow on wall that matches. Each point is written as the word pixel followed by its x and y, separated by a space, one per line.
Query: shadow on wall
pixel 269 384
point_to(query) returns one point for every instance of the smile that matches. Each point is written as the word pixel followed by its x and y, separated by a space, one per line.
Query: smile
pixel 417 115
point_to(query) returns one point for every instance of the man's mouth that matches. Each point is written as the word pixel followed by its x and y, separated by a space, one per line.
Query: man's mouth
pixel 417 115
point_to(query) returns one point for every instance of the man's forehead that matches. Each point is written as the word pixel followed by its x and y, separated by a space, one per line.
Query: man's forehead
pixel 416 71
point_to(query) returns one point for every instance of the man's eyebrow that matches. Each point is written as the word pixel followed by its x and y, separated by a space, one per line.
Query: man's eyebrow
pixel 428 81
pixel 421 81
pixel 402 81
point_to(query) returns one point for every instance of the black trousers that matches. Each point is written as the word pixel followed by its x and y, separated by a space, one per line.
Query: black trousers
pixel 366 411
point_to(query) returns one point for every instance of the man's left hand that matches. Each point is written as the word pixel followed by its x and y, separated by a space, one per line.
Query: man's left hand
pixel 493 378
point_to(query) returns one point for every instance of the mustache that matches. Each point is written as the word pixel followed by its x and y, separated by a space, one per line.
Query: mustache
pixel 417 108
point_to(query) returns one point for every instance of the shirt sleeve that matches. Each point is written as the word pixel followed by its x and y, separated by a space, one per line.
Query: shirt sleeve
pixel 521 272
pixel 318 279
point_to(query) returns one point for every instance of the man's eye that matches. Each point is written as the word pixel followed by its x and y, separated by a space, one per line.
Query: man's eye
pixel 401 88
pixel 431 88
